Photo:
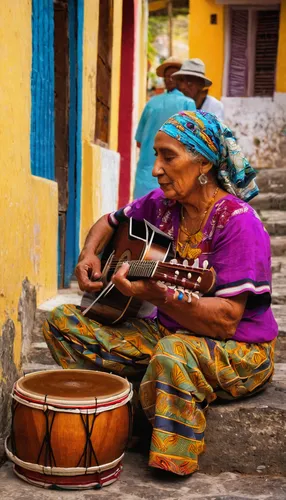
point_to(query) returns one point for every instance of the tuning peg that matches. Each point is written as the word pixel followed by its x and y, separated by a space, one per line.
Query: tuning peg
pixel 196 263
pixel 189 296
pixel 189 276
pixel 185 263
pixel 205 264
pixel 199 279
pixel 173 261
pixel 177 273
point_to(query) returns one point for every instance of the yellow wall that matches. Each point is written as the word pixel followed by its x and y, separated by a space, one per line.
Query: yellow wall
pixel 206 40
pixel 91 158
pixel 90 40
pixel 115 84
pixel 281 58
pixel 28 205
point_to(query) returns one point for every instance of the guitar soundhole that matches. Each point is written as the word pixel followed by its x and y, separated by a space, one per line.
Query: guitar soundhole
pixel 125 256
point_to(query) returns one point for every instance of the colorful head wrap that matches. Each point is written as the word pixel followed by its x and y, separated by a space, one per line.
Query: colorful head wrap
pixel 203 133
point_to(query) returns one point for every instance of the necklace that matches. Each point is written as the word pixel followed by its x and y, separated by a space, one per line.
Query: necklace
pixel 189 248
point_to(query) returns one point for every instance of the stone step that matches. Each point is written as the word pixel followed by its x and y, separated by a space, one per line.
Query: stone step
pixel 278 246
pixel 269 201
pixel 278 264
pixel 140 482
pixel 249 434
pixel 66 296
pixel 274 221
pixel 272 180
pixel 279 312
pixel 38 367
pixel 279 288
pixel 280 348
pixel 40 353
pixel 40 317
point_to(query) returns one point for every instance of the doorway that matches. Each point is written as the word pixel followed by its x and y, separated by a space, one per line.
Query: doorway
pixel 68 24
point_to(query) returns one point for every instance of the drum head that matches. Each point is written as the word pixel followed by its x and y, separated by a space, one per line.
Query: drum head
pixel 80 385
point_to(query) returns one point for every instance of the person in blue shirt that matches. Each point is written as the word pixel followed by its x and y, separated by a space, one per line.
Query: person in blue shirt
pixel 155 113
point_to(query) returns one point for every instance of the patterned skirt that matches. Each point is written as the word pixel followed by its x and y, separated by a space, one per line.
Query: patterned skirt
pixel 180 374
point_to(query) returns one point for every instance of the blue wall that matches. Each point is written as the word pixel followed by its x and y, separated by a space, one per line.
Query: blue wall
pixel 76 13
pixel 42 89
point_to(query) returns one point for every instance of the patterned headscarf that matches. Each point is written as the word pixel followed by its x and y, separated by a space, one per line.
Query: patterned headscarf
pixel 203 133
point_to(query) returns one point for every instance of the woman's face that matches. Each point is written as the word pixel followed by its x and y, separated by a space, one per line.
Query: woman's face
pixel 174 168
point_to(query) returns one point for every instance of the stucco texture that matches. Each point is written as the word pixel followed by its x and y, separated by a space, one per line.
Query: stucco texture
pixel 28 205
pixel 259 124
pixel 206 40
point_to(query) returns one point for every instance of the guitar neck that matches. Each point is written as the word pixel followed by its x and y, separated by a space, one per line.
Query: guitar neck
pixel 192 278
pixel 142 268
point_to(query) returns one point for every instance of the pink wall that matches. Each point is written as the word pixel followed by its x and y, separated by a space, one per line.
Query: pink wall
pixel 125 132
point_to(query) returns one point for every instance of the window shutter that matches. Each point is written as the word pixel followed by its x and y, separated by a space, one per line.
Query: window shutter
pixel 103 76
pixel 237 78
pixel 266 52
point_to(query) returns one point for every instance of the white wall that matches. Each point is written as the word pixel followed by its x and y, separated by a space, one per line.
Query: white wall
pixel 259 124
pixel 110 165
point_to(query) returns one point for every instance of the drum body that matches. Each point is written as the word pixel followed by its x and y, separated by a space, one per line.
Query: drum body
pixel 69 428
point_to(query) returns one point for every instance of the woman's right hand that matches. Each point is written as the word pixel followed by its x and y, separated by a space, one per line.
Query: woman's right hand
pixel 87 271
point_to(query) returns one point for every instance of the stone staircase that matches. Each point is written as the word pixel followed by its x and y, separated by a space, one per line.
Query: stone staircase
pixel 246 436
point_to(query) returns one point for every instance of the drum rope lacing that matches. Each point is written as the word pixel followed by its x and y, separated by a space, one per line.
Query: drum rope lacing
pixel 49 454
pixel 88 447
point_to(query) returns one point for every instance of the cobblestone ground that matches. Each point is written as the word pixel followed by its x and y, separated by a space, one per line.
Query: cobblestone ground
pixel 138 482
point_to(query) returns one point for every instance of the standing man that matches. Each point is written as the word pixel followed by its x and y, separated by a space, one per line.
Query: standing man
pixel 191 80
pixel 155 113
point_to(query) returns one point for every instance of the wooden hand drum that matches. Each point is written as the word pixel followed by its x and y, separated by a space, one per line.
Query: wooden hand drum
pixel 69 428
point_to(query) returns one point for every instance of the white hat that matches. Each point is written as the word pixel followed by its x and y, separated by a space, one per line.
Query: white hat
pixel 170 62
pixel 194 67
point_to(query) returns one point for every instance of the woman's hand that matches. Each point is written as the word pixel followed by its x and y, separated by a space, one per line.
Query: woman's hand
pixel 142 289
pixel 87 270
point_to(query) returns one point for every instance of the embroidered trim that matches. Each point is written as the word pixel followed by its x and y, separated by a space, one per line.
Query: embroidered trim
pixel 245 286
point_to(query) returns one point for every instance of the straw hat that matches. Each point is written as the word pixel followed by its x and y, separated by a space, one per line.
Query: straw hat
pixel 171 61
pixel 194 67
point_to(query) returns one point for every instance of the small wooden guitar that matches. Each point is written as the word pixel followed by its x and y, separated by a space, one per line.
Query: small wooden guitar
pixel 148 252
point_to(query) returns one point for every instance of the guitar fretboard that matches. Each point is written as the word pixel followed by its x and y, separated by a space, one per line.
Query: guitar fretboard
pixel 142 269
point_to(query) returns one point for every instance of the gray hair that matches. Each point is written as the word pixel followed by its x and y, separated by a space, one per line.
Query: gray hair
pixel 195 156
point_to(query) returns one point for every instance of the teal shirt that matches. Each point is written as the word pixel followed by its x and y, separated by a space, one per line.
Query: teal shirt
pixel 155 113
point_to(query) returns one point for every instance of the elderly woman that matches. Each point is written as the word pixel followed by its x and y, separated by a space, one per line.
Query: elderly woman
pixel 193 351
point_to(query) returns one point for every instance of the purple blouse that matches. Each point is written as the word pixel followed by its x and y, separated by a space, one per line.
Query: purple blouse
pixel 235 243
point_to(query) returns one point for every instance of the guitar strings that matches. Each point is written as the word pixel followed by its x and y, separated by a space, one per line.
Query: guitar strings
pixel 152 263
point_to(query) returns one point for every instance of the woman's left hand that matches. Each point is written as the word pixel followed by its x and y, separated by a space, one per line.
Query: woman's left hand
pixel 142 289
